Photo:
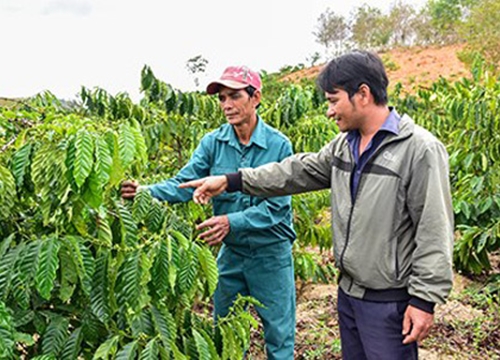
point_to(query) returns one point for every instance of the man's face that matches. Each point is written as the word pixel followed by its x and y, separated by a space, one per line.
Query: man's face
pixel 343 110
pixel 238 106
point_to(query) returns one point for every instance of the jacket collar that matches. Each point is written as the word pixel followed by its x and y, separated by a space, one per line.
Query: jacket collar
pixel 258 137
pixel 406 129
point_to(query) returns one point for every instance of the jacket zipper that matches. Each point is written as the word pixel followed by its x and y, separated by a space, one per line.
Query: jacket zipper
pixel 380 148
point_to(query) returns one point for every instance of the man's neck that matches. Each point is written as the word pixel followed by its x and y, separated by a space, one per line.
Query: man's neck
pixel 245 130
pixel 374 121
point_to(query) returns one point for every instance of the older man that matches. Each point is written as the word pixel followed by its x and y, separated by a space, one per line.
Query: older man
pixel 256 233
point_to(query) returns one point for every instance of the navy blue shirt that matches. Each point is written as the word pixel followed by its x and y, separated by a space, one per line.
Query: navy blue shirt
pixel 391 125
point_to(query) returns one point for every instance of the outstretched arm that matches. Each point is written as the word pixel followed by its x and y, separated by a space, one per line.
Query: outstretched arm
pixel 206 188
pixel 295 174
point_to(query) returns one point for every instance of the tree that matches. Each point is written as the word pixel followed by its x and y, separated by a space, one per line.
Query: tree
pixel 196 65
pixel 332 32
pixel 481 31
pixel 371 29
pixel 314 58
pixel 402 18
pixel 445 18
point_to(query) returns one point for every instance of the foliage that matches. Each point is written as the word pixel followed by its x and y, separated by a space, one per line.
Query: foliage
pixel 481 31
pixel 438 22
pixel 464 115
pixel 332 32
pixel 84 274
pixel 445 19
pixel 371 29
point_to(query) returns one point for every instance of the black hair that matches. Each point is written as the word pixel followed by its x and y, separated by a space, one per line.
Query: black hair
pixel 348 72
pixel 250 90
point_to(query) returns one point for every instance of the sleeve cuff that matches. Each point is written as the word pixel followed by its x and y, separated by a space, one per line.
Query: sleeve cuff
pixel 236 221
pixel 234 182
pixel 423 305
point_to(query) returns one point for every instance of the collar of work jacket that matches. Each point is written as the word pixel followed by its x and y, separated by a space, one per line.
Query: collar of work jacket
pixel 406 129
pixel 258 137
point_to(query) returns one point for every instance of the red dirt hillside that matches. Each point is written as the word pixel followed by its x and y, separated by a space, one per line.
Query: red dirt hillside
pixel 411 66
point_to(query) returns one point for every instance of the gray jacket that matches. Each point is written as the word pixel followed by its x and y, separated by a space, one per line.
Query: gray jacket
pixel 398 234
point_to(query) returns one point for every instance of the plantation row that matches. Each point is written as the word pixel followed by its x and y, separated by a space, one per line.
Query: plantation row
pixel 84 273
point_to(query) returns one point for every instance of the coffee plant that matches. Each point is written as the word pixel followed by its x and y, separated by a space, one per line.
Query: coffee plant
pixel 85 274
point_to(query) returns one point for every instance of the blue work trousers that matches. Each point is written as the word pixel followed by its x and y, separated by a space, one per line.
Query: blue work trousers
pixel 372 330
pixel 266 273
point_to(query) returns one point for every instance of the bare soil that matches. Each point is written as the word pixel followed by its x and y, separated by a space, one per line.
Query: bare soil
pixel 463 329
pixel 412 67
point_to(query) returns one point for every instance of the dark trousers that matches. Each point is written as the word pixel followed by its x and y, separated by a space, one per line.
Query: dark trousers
pixel 373 330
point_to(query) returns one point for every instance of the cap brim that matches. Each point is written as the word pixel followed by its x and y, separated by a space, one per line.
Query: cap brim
pixel 214 86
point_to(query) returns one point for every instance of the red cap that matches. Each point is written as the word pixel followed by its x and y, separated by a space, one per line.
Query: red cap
pixel 235 77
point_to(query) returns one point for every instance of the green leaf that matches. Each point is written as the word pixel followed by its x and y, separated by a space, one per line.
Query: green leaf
pixel 103 161
pixel 107 348
pixel 142 323
pixel 84 156
pixel 21 163
pixel 7 192
pixel 7 264
pixel 160 271
pixel 5 244
pixel 209 267
pixel 47 267
pixel 83 261
pixel 93 193
pixel 28 263
pixel 183 241
pixel 44 357
pixel 55 336
pixel 69 277
pixel 99 297
pixel 201 346
pixel 165 325
pixel 104 233
pixel 150 351
pixel 126 145
pixel 72 347
pixel 25 339
pixel 178 355
pixel 483 240
pixel 188 269
pixel 129 227
pixel 7 342
pixel 211 345
pixel 117 168
pixel 140 149
pixel 70 163
pixel 128 281
pixel 127 352
pixel 23 317
pixel 142 204
pixel 147 78
pixel 155 217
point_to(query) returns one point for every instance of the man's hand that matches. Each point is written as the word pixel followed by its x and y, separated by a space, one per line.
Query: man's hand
pixel 420 323
pixel 129 189
pixel 218 229
pixel 206 188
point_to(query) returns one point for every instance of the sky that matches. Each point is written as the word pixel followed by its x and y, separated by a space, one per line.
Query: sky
pixel 61 45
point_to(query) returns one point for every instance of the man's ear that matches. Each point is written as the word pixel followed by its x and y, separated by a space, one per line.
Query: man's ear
pixel 257 95
pixel 365 93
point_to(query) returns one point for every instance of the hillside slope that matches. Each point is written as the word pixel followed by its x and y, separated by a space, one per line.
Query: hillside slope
pixel 412 67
